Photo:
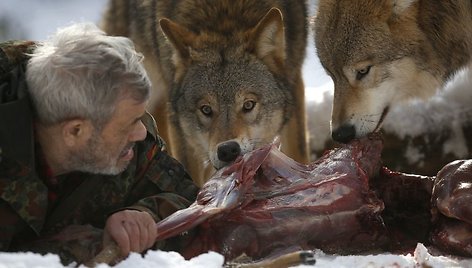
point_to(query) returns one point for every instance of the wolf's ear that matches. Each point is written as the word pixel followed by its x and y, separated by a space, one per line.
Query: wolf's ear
pixel 268 39
pixel 180 38
pixel 399 6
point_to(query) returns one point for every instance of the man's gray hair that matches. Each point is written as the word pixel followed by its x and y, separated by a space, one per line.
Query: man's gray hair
pixel 80 73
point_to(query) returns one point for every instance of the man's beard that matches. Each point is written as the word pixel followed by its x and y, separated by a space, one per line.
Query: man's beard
pixel 96 159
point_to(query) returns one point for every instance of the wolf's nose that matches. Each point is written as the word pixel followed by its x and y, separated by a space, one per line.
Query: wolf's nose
pixel 228 151
pixel 344 133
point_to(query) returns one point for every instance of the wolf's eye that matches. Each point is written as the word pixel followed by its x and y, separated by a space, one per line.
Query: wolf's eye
pixel 248 105
pixel 363 72
pixel 206 110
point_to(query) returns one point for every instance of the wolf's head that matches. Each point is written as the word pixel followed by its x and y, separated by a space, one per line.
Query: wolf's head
pixel 377 56
pixel 229 94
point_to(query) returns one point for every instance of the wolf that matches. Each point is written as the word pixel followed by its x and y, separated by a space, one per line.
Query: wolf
pixel 227 74
pixel 380 53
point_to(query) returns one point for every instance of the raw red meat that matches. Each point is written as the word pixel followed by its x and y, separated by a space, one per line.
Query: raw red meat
pixel 452 208
pixel 265 202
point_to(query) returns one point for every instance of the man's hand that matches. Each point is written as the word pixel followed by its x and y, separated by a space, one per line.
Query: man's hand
pixel 132 230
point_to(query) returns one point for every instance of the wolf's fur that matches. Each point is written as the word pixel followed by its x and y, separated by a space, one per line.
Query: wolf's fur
pixel 381 52
pixel 229 71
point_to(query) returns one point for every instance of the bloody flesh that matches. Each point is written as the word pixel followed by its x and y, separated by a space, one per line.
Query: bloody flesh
pixel 266 204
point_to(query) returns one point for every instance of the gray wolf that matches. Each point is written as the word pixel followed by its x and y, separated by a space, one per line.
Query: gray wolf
pixel 383 52
pixel 226 74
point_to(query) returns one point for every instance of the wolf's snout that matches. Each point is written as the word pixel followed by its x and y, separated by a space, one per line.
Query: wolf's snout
pixel 344 133
pixel 228 151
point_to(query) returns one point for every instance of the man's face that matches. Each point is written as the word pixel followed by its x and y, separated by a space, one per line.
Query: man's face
pixel 111 150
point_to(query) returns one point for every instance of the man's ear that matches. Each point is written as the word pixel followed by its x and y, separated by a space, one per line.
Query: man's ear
pixel 76 131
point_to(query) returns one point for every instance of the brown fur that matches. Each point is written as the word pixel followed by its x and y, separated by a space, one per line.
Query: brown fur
pixel 409 48
pixel 224 55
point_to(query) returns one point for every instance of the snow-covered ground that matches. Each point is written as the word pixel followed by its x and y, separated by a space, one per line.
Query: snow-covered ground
pixel 420 258
pixel 36 19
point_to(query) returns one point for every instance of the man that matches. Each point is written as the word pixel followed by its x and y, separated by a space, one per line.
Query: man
pixel 100 171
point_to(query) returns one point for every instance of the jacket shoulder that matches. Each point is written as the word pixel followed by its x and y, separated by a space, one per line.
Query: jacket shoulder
pixel 150 124
pixel 14 52
pixel 152 130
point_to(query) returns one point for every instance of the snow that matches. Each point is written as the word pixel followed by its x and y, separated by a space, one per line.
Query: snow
pixel 161 259
pixel 447 110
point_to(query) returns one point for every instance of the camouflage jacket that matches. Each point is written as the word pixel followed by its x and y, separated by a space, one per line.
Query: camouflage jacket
pixel 15 109
pixel 153 182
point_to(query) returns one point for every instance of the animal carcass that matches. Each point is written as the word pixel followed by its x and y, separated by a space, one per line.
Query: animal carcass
pixel 266 203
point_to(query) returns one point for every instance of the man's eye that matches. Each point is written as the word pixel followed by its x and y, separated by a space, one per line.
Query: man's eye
pixel 363 72
pixel 206 110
